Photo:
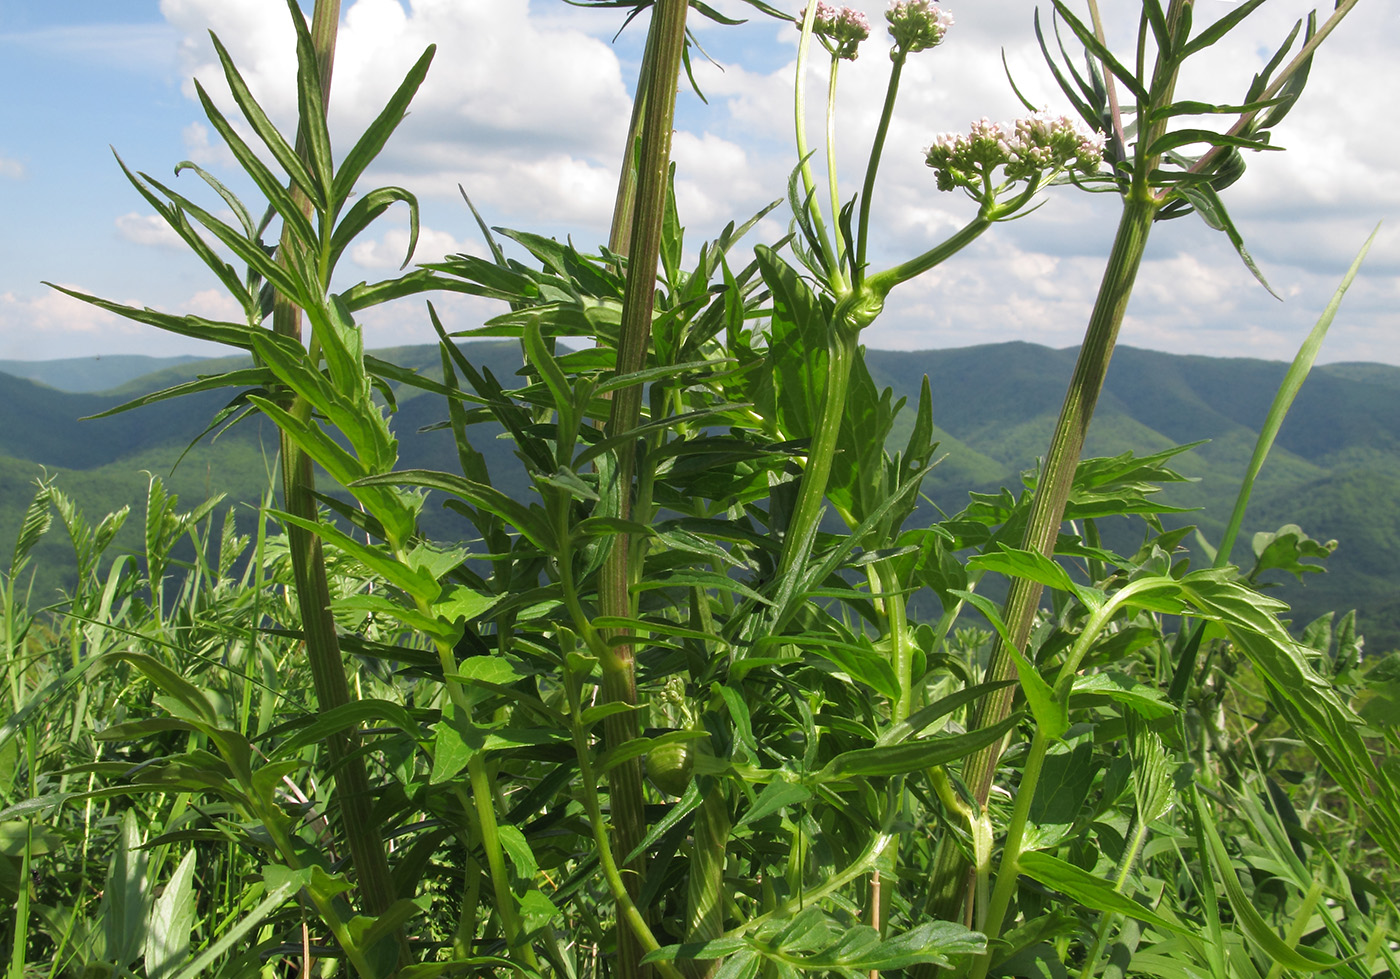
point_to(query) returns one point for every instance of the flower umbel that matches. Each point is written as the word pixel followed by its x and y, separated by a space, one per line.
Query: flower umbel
pixel 841 29
pixel 917 24
pixel 1030 150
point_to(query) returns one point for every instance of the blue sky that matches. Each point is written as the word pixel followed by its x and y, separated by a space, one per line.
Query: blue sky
pixel 525 108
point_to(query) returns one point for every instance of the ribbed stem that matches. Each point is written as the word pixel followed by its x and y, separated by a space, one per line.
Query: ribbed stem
pixel 614 597
pixel 705 884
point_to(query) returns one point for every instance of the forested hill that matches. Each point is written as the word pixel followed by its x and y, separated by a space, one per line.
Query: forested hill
pixel 1335 469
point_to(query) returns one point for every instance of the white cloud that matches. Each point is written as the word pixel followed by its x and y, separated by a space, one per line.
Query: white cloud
pixel 54 313
pixel 200 149
pixel 528 114
pixel 388 251
pixel 525 107
pixel 11 169
pixel 214 304
pixel 148 229
pixel 51 324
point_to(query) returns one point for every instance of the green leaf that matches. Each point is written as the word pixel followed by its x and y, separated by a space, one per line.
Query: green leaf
pixel 365 210
pixel 171 922
pixel 319 726
pixel 1188 137
pixel 1065 781
pixel 1220 28
pixel 1092 892
pixel 366 932
pixel 912 756
pixel 530 521
pixel 1288 390
pixel 419 584
pixel 1035 566
pixel 1102 54
pixel 518 850
pixel 1301 958
pixel 271 187
pixel 462 604
pixel 1144 698
pixel 374 138
pixel 1152 770
pixel 654 626
pixel 797 348
pixel 922 718
pixel 536 912
pixel 934 942
pixel 258 377
pixel 286 156
pixel 450 752
pixel 180 224
pixel 1212 210
pixel 228 334
pixel 860 663
pixel 38 517
pixel 716 949
pixel 277 891
pixel 775 797
pixel 312 133
pixel 1284 549
pixel 124 898
pixel 1050 713
pixel 188 695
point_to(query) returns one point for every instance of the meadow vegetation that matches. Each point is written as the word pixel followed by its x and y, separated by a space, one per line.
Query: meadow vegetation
pixel 691 694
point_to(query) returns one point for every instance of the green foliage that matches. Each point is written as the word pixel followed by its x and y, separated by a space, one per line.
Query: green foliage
pixel 655 584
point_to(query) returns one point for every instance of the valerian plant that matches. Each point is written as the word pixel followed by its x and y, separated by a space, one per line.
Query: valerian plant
pixel 681 708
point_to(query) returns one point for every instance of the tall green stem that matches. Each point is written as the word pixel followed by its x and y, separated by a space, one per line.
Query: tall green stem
pixel 352 791
pixel 853 313
pixel 1009 868
pixel 867 192
pixel 841 351
pixel 1061 461
pixel 614 596
pixel 1052 491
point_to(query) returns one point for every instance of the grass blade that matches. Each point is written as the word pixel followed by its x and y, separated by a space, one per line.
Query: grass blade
pixel 1283 400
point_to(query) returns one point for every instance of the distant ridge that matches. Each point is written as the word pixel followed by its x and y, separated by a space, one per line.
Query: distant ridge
pixel 85 375
pixel 1334 470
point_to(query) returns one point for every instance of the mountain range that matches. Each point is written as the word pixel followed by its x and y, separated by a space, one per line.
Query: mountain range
pixel 1334 470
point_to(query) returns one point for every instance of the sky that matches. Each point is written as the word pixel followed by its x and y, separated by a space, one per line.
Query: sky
pixel 525 109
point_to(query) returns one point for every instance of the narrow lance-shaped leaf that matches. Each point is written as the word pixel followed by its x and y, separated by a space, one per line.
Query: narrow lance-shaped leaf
pixel 912 756
pixel 419 584
pixel 1301 958
pixel 362 213
pixel 229 334
pixel 286 156
pixel 175 218
pixel 313 136
pixel 271 187
pixel 374 138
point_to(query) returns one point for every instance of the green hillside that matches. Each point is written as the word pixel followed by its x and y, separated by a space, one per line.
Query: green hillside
pixel 86 374
pixel 1335 469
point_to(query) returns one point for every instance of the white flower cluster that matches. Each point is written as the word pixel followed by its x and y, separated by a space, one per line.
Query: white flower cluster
pixel 917 25
pixel 1030 147
pixel 841 27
